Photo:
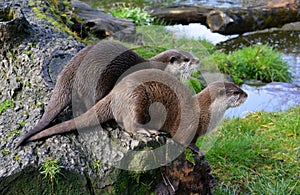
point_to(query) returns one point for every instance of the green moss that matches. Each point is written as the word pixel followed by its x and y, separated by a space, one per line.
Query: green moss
pixel 97 165
pixel 130 182
pixel 58 18
pixel 5 152
pixel 30 181
pixel 39 104
pixel 14 132
pixel 21 123
pixel 5 105
pixel 31 3
pixel 27 52
pixel 27 84
pixel 16 157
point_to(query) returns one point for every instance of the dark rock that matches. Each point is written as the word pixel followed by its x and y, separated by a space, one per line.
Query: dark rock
pixel 13 24
pixel 102 25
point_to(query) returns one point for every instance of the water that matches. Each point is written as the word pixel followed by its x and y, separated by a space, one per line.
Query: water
pixel 272 97
pixel 197 31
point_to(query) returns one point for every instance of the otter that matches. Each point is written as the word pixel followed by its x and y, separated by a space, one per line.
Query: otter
pixel 130 101
pixel 93 72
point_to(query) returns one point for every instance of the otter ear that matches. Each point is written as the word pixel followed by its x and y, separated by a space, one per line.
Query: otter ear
pixel 173 59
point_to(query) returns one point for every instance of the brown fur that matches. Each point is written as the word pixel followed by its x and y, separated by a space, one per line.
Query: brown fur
pixel 128 103
pixel 92 73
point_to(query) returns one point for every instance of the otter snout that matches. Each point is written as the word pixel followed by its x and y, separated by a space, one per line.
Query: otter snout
pixel 242 97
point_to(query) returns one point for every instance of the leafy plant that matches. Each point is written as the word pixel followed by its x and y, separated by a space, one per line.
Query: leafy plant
pixel 139 15
pixel 50 169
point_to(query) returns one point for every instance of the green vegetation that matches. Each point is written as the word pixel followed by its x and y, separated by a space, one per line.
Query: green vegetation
pixel 194 84
pixel 59 14
pixel 14 132
pixel 139 15
pixel 258 154
pixel 16 157
pixel 51 169
pixel 189 156
pixel 5 105
pixel 97 165
pixel 21 123
pixel 5 152
pixel 130 182
pixel 259 62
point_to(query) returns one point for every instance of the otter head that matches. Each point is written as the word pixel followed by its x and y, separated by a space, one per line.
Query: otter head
pixel 179 63
pixel 214 100
pixel 226 94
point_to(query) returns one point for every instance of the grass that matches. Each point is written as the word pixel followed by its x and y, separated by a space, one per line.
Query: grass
pixel 259 62
pixel 259 154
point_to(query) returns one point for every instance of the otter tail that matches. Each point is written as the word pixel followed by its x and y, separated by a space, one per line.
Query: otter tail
pixel 61 96
pixel 96 115
pixel 55 106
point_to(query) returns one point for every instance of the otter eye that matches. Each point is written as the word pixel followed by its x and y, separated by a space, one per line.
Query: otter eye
pixel 236 93
pixel 172 59
pixel 186 60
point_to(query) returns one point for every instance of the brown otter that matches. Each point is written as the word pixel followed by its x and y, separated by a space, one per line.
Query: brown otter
pixel 93 72
pixel 129 101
